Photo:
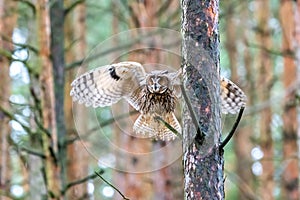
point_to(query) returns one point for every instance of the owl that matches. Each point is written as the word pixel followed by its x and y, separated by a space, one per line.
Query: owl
pixel 153 94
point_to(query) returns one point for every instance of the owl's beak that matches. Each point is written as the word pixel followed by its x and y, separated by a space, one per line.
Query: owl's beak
pixel 155 87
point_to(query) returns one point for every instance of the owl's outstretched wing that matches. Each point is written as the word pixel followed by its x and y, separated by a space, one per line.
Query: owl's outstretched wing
pixel 232 97
pixel 106 85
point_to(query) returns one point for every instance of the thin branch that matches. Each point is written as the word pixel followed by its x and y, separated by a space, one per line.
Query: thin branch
pixel 26 46
pixel 41 127
pixel 21 45
pixel 7 54
pixel 19 104
pixel 12 117
pixel 36 100
pixel 72 6
pixel 171 128
pixel 235 125
pixel 32 152
pixel 108 183
pixel 272 51
pixel 192 114
pixel 83 180
pixel 122 116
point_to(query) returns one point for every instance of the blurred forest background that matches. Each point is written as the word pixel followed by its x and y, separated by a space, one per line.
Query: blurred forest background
pixel 44 42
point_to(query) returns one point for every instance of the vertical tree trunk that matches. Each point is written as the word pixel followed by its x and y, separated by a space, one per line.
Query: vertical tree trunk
pixel 203 161
pixel 77 165
pixel 8 18
pixel 289 16
pixel 58 60
pixel 242 137
pixel 264 85
pixel 51 170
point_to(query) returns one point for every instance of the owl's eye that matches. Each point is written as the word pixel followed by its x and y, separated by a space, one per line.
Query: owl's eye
pixel 150 80
pixel 163 81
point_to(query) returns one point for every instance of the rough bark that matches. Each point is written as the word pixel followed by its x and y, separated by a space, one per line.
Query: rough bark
pixel 8 18
pixel 264 85
pixel 203 161
pixel 289 17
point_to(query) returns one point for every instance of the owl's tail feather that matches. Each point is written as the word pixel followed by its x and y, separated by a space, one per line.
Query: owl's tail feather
pixel 157 127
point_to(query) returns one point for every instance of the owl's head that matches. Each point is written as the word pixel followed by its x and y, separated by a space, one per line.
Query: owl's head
pixel 158 82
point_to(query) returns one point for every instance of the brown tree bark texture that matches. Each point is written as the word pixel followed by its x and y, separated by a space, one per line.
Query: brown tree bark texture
pixel 203 161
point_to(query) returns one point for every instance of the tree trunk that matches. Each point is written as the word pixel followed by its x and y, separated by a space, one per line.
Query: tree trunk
pixel 289 16
pixel 203 160
pixel 242 138
pixel 51 169
pixel 8 18
pixel 264 85
pixel 77 165
pixel 58 60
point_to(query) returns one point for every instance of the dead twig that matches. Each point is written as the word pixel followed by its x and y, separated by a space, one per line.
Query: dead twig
pixel 235 125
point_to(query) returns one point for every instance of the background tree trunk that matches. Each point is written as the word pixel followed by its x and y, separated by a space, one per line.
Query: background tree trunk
pixel 203 161
pixel 75 30
pixel 235 40
pixel 51 170
pixel 264 85
pixel 289 16
pixel 57 15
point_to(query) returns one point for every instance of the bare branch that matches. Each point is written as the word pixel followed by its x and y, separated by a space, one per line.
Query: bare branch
pixel 235 125
pixel 272 51
pixel 200 136
pixel 32 152
pixel 26 46
pixel 171 128
pixel 108 183
pixel 21 45
pixel 7 54
pixel 83 180
pixel 12 117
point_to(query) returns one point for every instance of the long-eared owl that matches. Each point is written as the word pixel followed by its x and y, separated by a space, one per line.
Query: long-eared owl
pixel 153 94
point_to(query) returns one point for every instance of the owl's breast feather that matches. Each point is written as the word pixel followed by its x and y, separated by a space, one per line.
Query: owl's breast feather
pixel 155 103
